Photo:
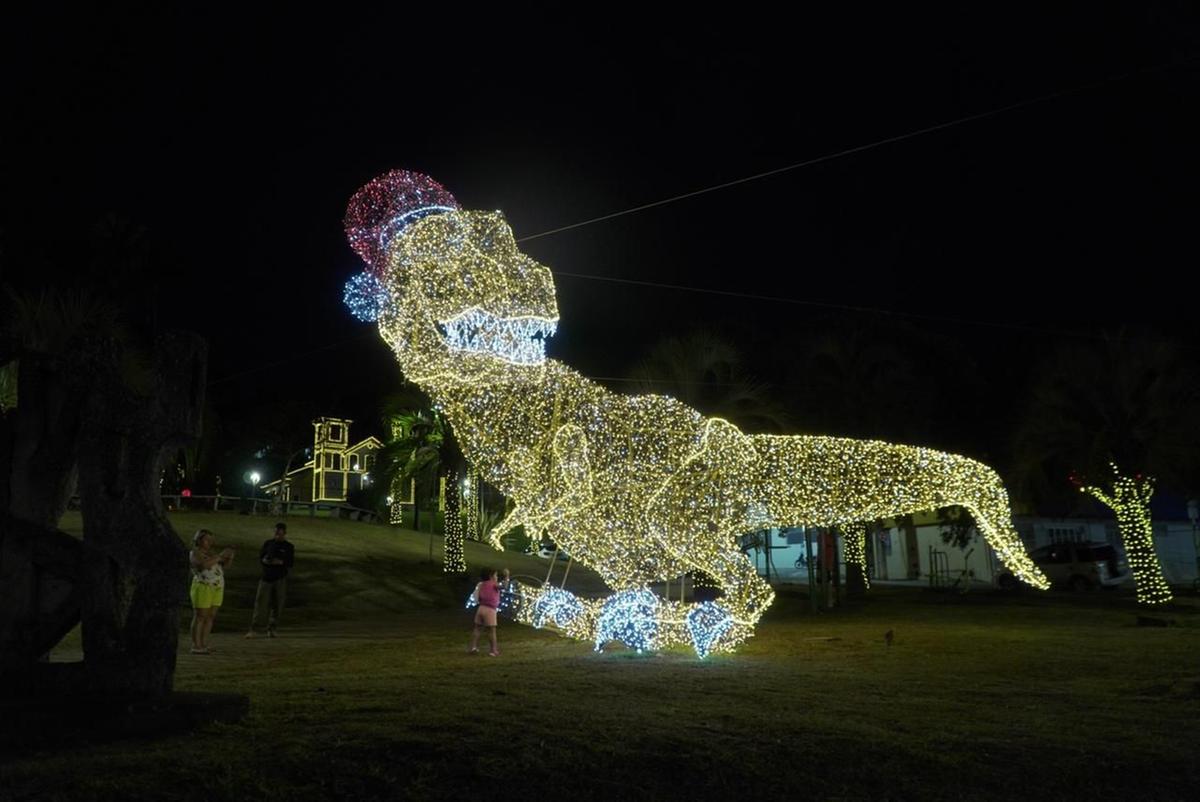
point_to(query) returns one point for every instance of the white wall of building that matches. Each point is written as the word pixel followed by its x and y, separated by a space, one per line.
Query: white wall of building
pixel 890 551
pixel 890 555
pixel 1176 551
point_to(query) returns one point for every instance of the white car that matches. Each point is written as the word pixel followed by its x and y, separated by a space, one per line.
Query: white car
pixel 1078 566
pixel 547 552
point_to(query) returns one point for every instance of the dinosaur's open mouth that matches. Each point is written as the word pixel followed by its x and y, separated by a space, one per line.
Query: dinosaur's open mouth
pixel 520 340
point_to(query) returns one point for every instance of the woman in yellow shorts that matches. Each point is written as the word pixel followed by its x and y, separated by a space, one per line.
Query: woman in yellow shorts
pixel 208 587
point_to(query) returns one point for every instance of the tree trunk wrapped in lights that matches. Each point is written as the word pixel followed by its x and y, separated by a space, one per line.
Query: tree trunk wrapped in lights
pixel 855 539
pixel 471 508
pixel 454 560
pixel 1122 400
pixel 1129 497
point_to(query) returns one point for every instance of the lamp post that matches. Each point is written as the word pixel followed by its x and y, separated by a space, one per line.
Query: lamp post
pixel 1193 508
pixel 255 478
pixel 283 497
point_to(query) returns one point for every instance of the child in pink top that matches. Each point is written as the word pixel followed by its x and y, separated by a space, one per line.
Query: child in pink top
pixel 488 594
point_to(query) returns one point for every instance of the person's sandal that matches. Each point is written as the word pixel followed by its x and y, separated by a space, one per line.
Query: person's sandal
pixel 250 634
pixel 199 651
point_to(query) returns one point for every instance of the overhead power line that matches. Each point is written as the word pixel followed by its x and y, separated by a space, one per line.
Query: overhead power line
pixel 757 176
pixel 868 146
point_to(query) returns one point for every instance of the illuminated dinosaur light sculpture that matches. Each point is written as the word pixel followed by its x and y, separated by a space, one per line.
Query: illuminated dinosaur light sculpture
pixel 639 488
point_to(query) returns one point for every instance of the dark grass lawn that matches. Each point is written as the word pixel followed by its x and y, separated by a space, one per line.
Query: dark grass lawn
pixel 369 694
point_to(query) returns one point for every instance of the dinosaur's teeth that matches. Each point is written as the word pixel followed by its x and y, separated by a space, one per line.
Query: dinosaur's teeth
pixel 521 340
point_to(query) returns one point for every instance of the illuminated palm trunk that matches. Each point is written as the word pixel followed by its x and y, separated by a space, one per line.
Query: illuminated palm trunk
pixel 471 496
pixel 855 535
pixel 454 561
pixel 1130 500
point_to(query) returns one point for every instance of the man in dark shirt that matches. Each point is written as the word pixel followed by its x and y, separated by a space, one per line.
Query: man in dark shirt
pixel 276 557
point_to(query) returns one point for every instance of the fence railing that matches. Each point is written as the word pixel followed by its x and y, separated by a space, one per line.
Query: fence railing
pixel 262 506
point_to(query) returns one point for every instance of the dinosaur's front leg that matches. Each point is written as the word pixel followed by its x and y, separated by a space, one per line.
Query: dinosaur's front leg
pixel 516 517
pixel 541 504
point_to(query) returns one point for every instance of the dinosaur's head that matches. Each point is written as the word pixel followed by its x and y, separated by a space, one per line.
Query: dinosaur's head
pixel 443 281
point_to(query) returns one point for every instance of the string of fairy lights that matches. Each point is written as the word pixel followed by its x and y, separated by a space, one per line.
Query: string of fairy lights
pixel 642 489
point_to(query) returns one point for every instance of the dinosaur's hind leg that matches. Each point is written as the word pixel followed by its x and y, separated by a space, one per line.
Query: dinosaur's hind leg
pixel 746 595
pixel 723 624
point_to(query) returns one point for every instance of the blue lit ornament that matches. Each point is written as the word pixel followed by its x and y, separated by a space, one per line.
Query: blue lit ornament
pixel 364 296
pixel 630 617
pixel 510 600
pixel 556 606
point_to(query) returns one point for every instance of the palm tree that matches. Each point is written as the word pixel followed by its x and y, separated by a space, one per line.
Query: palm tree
pixel 707 373
pixel 864 379
pixel 853 379
pixel 1113 417
pixel 454 559
pixel 414 452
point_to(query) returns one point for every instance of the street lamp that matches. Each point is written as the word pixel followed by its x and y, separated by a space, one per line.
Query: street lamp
pixel 255 478
pixel 1193 508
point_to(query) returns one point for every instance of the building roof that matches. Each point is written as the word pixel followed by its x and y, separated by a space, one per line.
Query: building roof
pixel 369 441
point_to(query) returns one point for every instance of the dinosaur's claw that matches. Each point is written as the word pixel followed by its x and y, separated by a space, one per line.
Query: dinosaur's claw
pixel 707 623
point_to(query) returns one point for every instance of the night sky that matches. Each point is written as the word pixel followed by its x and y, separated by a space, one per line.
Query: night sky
pixel 237 141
